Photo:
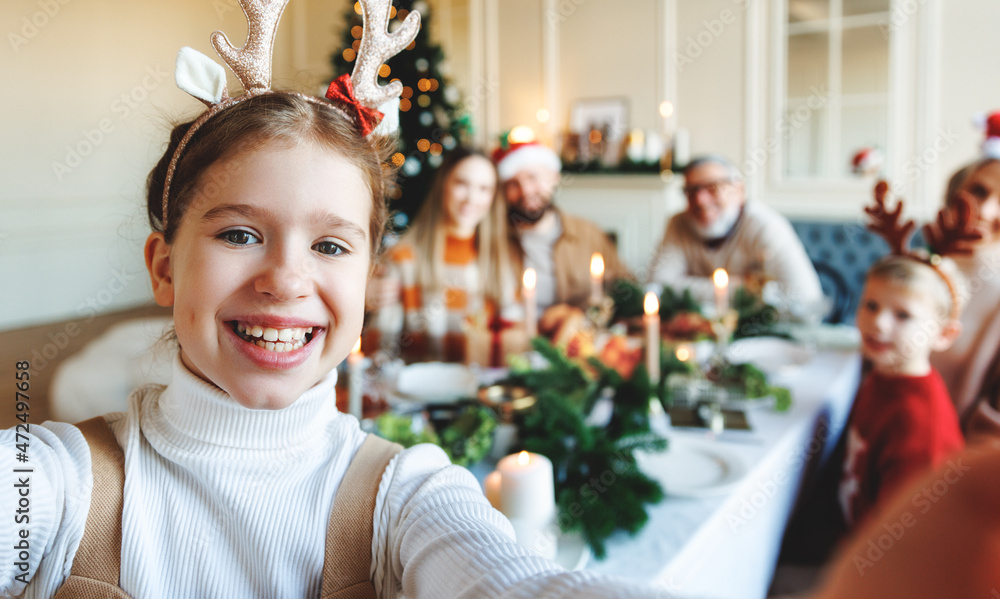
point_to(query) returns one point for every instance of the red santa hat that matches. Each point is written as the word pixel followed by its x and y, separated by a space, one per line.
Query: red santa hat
pixel 990 124
pixel 516 156
pixel 867 161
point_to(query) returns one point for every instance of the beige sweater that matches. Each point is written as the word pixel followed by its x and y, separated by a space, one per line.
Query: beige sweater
pixel 763 242
pixel 964 366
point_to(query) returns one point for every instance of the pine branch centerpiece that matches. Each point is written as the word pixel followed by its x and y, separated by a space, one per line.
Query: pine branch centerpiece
pixel 599 487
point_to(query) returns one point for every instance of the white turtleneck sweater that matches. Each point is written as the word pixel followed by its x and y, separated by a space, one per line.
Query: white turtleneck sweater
pixel 225 501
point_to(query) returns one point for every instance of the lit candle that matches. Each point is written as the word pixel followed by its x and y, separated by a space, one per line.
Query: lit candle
pixel 530 303
pixel 492 487
pixel 527 497
pixel 355 381
pixel 682 147
pixel 720 278
pixel 651 306
pixel 596 278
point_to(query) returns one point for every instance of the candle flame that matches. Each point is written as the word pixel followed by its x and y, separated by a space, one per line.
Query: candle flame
pixel 529 278
pixel 683 353
pixel 721 278
pixel 597 265
pixel 523 458
pixel 650 305
pixel 357 347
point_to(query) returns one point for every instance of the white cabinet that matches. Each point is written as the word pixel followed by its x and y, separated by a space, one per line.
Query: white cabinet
pixel 633 208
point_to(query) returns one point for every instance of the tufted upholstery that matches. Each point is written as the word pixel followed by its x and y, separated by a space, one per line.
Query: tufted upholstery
pixel 842 253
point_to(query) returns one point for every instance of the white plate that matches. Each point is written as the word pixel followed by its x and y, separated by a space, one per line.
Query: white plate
pixel 693 468
pixel 772 355
pixel 436 382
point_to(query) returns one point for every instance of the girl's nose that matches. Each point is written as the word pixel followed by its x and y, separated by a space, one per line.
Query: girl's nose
pixel 285 276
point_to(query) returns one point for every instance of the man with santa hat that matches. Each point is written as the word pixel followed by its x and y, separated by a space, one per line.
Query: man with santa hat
pixel 557 245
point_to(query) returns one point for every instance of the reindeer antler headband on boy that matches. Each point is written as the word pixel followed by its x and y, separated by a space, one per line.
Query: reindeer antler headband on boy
pixel 359 97
pixel 948 235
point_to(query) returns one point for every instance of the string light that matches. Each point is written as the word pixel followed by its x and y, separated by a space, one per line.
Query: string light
pixel 543 115
pixel 404 105
pixel 407 92
pixel 412 45
pixel 436 149
pixel 392 12
pixel 424 85
pixel 521 134
pixel 423 145
pixel 424 100
pixel 434 85
pixel 349 55
pixel 384 70
pixel 356 31
pixel 356 45
pixel 357 7
pixel 666 109
pixel 595 136
pixel 398 159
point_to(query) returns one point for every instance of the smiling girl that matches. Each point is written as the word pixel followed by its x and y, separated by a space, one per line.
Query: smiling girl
pixel 240 478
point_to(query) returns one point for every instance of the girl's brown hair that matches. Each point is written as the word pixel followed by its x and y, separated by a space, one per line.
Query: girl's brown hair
pixel 427 234
pixel 251 124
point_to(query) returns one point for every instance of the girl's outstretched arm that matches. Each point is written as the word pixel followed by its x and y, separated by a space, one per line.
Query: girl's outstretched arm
pixel 437 536
pixel 45 485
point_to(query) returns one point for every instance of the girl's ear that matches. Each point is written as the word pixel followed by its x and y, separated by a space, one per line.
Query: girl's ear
pixel 157 254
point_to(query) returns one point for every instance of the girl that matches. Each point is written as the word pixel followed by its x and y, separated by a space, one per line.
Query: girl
pixel 452 265
pixel 240 478
pixel 971 368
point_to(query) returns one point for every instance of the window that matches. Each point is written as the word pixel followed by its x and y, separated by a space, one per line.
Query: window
pixel 835 98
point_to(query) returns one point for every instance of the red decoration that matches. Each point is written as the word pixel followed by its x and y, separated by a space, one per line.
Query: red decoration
pixel 341 91
pixel 497 326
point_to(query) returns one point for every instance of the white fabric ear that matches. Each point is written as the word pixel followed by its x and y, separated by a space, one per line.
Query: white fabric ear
pixel 390 118
pixel 200 76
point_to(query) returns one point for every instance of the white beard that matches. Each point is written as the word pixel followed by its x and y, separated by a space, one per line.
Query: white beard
pixel 721 226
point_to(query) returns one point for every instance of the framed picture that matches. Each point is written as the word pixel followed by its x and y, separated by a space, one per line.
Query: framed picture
pixel 602 125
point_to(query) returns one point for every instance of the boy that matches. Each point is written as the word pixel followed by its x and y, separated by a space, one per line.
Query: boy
pixel 903 422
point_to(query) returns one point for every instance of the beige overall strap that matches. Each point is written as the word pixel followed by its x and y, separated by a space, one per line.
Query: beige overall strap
pixel 97 565
pixel 348 562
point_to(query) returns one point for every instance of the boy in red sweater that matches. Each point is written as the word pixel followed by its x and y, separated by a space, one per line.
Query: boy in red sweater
pixel 903 422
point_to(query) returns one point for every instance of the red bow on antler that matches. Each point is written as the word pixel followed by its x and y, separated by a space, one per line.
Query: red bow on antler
pixel 342 91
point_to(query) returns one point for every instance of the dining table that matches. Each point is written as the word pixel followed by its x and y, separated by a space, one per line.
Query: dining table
pixel 723 539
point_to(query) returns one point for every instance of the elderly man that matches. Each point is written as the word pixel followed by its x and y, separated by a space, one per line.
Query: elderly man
pixel 720 229
pixel 556 244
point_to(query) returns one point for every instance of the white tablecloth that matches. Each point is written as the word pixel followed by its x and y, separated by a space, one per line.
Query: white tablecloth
pixel 727 546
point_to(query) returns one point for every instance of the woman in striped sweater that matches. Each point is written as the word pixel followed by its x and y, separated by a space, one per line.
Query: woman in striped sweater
pixel 450 274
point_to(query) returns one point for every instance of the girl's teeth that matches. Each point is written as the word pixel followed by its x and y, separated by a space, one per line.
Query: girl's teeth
pixel 277 340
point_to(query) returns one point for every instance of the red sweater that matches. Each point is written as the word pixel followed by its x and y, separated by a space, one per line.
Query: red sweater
pixel 901 426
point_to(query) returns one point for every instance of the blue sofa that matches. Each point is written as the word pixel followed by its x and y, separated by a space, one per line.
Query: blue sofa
pixel 842 252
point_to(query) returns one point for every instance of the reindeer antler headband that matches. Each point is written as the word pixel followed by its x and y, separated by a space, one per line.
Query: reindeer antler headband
pixel 950 234
pixel 359 98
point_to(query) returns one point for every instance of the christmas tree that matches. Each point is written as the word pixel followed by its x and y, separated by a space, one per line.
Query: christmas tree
pixel 431 118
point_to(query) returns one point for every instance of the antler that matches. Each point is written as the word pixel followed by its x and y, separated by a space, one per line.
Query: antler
pixel 887 223
pixel 955 229
pixel 252 62
pixel 377 46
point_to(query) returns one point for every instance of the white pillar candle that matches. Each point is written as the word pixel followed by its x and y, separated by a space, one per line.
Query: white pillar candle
pixel 720 279
pixel 355 380
pixel 651 306
pixel 530 303
pixel 527 498
pixel 596 278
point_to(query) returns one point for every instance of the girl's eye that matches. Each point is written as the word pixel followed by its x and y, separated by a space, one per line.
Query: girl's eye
pixel 239 237
pixel 871 306
pixel 902 315
pixel 329 248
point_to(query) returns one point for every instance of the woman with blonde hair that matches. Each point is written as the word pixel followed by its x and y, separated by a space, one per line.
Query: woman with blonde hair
pixel 971 367
pixel 452 269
